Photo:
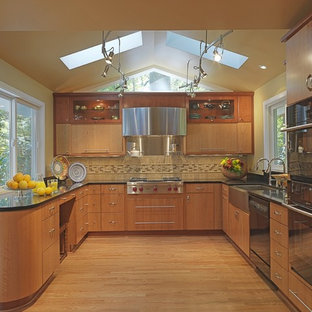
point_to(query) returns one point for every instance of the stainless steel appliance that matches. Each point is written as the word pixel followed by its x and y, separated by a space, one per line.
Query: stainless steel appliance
pixel 259 210
pixel 166 185
pixel 300 251
pixel 138 121
pixel 299 129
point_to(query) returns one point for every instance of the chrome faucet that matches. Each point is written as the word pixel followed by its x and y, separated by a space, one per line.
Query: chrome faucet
pixel 258 162
pixel 269 169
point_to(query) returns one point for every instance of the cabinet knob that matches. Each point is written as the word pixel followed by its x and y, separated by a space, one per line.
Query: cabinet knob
pixel 277 213
pixel 188 197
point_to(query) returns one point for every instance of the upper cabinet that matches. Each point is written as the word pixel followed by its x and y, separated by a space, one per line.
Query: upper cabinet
pixel 210 109
pixel 220 124
pixel 299 61
pixel 83 109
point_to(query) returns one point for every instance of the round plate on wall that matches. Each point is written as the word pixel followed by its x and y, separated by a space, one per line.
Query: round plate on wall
pixel 77 172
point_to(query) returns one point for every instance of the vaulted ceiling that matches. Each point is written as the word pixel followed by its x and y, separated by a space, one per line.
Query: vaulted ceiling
pixel 34 34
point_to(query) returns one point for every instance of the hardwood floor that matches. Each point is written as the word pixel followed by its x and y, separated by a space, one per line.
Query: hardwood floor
pixel 157 273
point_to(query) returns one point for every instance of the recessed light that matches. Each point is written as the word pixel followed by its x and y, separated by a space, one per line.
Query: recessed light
pixel 262 67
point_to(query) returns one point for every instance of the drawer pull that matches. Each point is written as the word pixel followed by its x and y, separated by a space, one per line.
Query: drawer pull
pixel 277 213
pixel 112 204
pixel 52 230
pixel 236 213
pixel 112 222
pixel 277 232
pixel 112 189
pixel 198 188
pixel 299 299
pixel 277 276
pixel 86 204
pixel 51 208
pixel 279 254
pixel 155 206
pixel 81 229
pixel 155 222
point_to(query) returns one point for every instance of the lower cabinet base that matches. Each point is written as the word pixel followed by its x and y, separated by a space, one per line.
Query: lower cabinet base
pixel 23 303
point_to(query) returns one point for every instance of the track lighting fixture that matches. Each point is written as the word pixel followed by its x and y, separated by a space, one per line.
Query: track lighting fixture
pixel 108 57
pixel 218 52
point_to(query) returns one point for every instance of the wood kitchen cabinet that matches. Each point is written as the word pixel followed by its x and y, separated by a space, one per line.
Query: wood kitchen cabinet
pixel 62 109
pixel 225 208
pixel 94 207
pixel 238 227
pixel 279 246
pixel 112 207
pixel 102 139
pixel 220 135
pixel 63 140
pixel 298 61
pixel 50 239
pixel 202 206
pixel 154 212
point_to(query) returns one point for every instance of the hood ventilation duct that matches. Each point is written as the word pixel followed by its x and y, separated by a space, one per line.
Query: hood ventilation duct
pixel 145 121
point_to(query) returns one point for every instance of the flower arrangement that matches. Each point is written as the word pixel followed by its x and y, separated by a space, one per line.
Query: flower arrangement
pixel 233 168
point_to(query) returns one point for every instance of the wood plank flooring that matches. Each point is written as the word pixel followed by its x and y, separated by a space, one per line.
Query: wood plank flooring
pixel 149 273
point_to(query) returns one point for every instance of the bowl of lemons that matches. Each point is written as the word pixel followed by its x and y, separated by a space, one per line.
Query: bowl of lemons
pixel 21 181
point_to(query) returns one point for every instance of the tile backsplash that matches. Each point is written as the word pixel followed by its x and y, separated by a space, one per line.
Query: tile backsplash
pixel 152 167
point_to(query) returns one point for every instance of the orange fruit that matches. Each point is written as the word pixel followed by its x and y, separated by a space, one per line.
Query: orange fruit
pixel 23 185
pixel 14 185
pixel 31 184
pixel 27 177
pixel 18 177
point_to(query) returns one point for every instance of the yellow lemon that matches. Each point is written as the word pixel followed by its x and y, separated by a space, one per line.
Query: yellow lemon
pixel 31 184
pixel 40 191
pixel 48 190
pixel 14 185
pixel 9 183
pixel 18 177
pixel 27 177
pixel 22 185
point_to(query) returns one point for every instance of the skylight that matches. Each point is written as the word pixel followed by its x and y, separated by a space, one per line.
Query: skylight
pixel 152 80
pixel 94 53
pixel 192 46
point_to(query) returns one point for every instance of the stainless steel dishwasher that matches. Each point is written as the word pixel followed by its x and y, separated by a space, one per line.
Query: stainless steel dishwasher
pixel 259 210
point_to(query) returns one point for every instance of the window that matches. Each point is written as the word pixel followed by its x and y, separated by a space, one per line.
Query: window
pixel 275 144
pixel 21 145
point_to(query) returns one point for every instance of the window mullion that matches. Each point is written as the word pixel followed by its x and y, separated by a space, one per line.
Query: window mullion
pixel 13 138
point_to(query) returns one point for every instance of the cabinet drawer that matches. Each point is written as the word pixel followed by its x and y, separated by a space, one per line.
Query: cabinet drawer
pixel 94 189
pixel 94 221
pixel 112 203
pixel 199 188
pixel 279 277
pixel 49 210
pixel 279 254
pixel 82 207
pixel 50 231
pixel 112 188
pixel 50 260
pixel 113 222
pixel 81 227
pixel 279 232
pixel 279 213
pixel 300 294
pixel 94 203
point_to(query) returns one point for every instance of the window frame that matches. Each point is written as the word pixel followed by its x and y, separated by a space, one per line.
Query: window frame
pixel 268 142
pixel 19 97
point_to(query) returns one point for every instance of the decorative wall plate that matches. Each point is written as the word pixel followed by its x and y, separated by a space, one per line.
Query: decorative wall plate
pixel 77 172
pixel 59 167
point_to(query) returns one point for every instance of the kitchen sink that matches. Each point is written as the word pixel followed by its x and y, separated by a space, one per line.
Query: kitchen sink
pixel 239 196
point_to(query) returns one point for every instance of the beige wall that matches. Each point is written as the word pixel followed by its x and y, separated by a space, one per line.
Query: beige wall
pixel 270 89
pixel 15 78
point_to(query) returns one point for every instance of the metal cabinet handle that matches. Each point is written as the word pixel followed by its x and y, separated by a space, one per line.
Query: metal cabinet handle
pixel 112 222
pixel 277 232
pixel 279 254
pixel 188 197
pixel 52 230
pixel 296 295
pixel 51 208
pixel 198 188
pixel 112 189
pixel 236 213
pixel 112 204
pixel 277 276
pixel 277 213
pixel 309 82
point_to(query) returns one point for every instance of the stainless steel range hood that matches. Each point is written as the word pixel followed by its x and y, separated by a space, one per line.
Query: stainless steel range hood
pixel 146 121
